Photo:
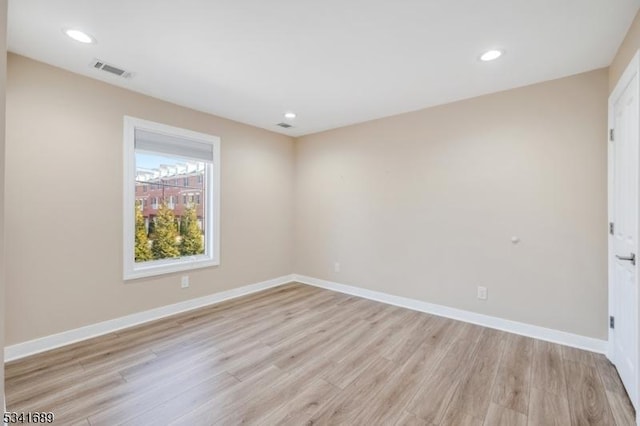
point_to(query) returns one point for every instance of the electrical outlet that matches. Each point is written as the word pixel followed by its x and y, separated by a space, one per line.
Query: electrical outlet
pixel 336 267
pixel 482 293
pixel 184 281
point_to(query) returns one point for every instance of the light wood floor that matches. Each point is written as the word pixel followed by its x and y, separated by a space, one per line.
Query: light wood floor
pixel 301 355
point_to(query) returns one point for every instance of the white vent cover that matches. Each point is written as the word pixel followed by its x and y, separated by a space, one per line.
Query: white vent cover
pixel 111 69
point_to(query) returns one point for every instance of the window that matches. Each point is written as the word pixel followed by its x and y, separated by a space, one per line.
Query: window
pixel 171 239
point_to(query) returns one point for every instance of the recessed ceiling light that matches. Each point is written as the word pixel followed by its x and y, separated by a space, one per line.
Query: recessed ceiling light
pixel 490 55
pixel 290 115
pixel 80 36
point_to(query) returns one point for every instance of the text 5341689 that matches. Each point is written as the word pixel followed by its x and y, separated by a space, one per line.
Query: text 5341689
pixel 13 417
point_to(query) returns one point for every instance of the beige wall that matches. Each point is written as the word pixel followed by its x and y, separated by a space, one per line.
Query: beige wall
pixel 64 203
pixel 3 77
pixel 421 205
pixel 627 49
pixel 424 204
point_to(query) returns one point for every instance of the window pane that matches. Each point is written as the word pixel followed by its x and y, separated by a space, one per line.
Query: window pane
pixel 164 227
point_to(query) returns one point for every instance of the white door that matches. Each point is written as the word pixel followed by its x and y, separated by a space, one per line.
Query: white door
pixel 624 122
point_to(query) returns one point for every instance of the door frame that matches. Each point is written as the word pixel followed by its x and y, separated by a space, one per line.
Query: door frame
pixel 631 72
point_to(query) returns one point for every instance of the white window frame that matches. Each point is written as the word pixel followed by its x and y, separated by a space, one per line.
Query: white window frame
pixel 211 257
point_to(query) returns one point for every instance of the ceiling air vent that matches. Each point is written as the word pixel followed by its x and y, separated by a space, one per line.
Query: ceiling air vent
pixel 103 66
pixel 284 125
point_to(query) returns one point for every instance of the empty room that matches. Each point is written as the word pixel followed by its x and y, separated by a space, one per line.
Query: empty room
pixel 335 213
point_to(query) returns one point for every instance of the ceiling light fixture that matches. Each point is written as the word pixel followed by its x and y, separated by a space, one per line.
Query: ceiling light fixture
pixel 80 36
pixel 289 115
pixel 490 55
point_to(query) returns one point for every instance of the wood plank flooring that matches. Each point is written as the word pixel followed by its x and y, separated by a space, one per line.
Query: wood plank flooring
pixel 299 355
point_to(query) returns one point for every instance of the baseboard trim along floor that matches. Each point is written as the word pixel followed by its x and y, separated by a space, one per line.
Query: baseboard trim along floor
pixel 523 329
pixel 31 347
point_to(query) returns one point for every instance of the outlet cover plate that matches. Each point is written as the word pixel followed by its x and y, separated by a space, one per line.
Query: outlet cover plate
pixel 482 293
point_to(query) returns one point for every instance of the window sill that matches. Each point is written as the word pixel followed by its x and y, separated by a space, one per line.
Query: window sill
pixel 162 267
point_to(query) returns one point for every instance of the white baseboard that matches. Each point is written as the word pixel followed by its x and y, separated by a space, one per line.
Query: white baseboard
pixel 537 332
pixel 46 343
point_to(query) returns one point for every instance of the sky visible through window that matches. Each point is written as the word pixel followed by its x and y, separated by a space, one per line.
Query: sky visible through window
pixel 154 161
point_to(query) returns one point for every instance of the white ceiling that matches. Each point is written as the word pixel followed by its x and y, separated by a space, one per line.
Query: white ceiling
pixel 333 62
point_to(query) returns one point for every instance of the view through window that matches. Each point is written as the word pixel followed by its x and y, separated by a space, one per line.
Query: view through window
pixel 170 207
pixel 171 199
